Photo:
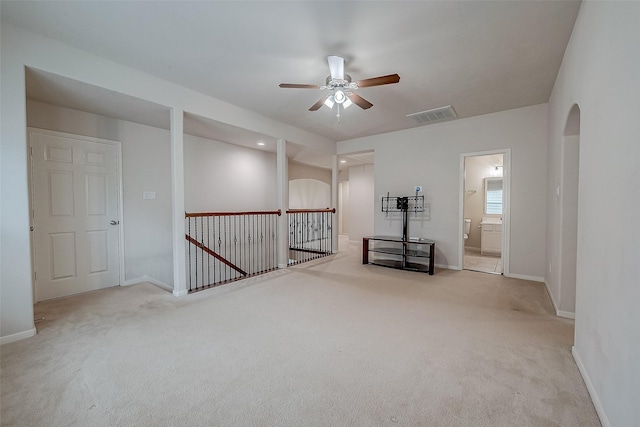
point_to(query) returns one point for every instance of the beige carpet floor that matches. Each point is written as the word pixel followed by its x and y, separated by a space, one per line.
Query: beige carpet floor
pixel 327 343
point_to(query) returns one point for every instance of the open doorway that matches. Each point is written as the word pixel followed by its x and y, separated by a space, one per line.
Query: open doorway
pixel 567 193
pixel 356 196
pixel 484 211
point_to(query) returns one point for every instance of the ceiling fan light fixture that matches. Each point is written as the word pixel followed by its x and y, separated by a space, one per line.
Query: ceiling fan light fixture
pixel 329 102
pixel 341 88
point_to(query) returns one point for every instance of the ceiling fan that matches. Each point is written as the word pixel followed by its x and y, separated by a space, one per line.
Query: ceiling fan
pixel 341 88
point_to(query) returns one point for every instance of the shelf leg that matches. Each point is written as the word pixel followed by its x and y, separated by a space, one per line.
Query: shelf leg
pixel 365 250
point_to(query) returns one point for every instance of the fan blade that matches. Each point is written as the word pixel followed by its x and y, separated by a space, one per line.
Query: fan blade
pixel 336 67
pixel 298 86
pixel 318 104
pixel 378 81
pixel 360 101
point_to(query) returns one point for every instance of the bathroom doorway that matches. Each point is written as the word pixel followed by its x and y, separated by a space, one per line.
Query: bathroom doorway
pixel 484 211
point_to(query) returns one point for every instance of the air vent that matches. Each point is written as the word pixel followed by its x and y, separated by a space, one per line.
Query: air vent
pixel 435 115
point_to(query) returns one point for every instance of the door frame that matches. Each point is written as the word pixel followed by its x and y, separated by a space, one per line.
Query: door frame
pixel 506 208
pixel 118 146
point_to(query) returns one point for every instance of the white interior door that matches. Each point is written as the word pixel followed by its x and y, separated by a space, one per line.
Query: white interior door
pixel 76 214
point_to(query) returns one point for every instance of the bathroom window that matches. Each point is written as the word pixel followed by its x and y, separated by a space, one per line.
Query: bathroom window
pixel 493 196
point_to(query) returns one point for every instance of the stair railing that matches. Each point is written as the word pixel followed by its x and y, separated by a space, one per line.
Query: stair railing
pixel 310 234
pixel 227 246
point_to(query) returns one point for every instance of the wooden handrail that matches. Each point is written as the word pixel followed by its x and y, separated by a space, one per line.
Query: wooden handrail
pixel 215 255
pixel 311 210
pixel 199 214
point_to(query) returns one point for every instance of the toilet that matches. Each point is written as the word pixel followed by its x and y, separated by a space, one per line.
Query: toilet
pixel 467 228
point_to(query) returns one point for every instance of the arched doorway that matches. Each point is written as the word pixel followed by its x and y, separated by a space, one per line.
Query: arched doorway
pixel 569 192
pixel 309 194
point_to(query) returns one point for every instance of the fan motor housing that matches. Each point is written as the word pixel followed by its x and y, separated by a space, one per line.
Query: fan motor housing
pixel 338 82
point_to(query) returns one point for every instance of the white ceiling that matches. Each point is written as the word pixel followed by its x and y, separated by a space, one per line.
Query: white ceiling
pixel 478 56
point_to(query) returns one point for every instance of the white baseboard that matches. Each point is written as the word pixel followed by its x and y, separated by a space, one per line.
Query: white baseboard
pixel 448 267
pixel 133 281
pixel 592 392
pixel 525 277
pixel 149 279
pixel 559 313
pixel 553 300
pixel 181 293
pixel 566 314
pixel 17 337
pixel 159 284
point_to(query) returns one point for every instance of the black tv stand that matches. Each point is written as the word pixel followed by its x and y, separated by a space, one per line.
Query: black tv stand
pixel 413 255
pixel 401 252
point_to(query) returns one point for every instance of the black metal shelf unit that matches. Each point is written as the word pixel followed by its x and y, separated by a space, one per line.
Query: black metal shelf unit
pixel 406 254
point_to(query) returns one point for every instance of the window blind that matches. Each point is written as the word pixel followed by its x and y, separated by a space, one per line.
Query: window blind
pixel 493 197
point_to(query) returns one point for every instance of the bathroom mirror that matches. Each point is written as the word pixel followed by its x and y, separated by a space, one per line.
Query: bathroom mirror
pixel 493 195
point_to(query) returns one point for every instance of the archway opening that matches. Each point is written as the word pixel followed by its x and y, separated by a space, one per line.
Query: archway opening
pixel 569 194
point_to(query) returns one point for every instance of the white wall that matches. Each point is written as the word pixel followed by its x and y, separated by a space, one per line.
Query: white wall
pixel 218 177
pixel 146 162
pixel 361 201
pixel 569 192
pixel 309 194
pixel 300 171
pixel 600 73
pixel 145 167
pixel 225 177
pixel 343 207
pixel 309 187
pixel 16 310
pixel 430 156
pixel 20 48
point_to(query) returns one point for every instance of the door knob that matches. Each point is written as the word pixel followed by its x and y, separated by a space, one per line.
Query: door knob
pixel 114 222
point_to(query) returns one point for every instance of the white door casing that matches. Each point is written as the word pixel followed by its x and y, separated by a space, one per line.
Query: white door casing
pixel 506 206
pixel 75 200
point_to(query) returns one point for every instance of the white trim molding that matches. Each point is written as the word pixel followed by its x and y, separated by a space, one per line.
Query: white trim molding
pixel 148 279
pixel 448 267
pixel 159 284
pixel 525 277
pixel 18 337
pixel 592 391
pixel 559 313
pixel 553 301
pixel 180 293
pixel 132 282
pixel 506 198
pixel 566 314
